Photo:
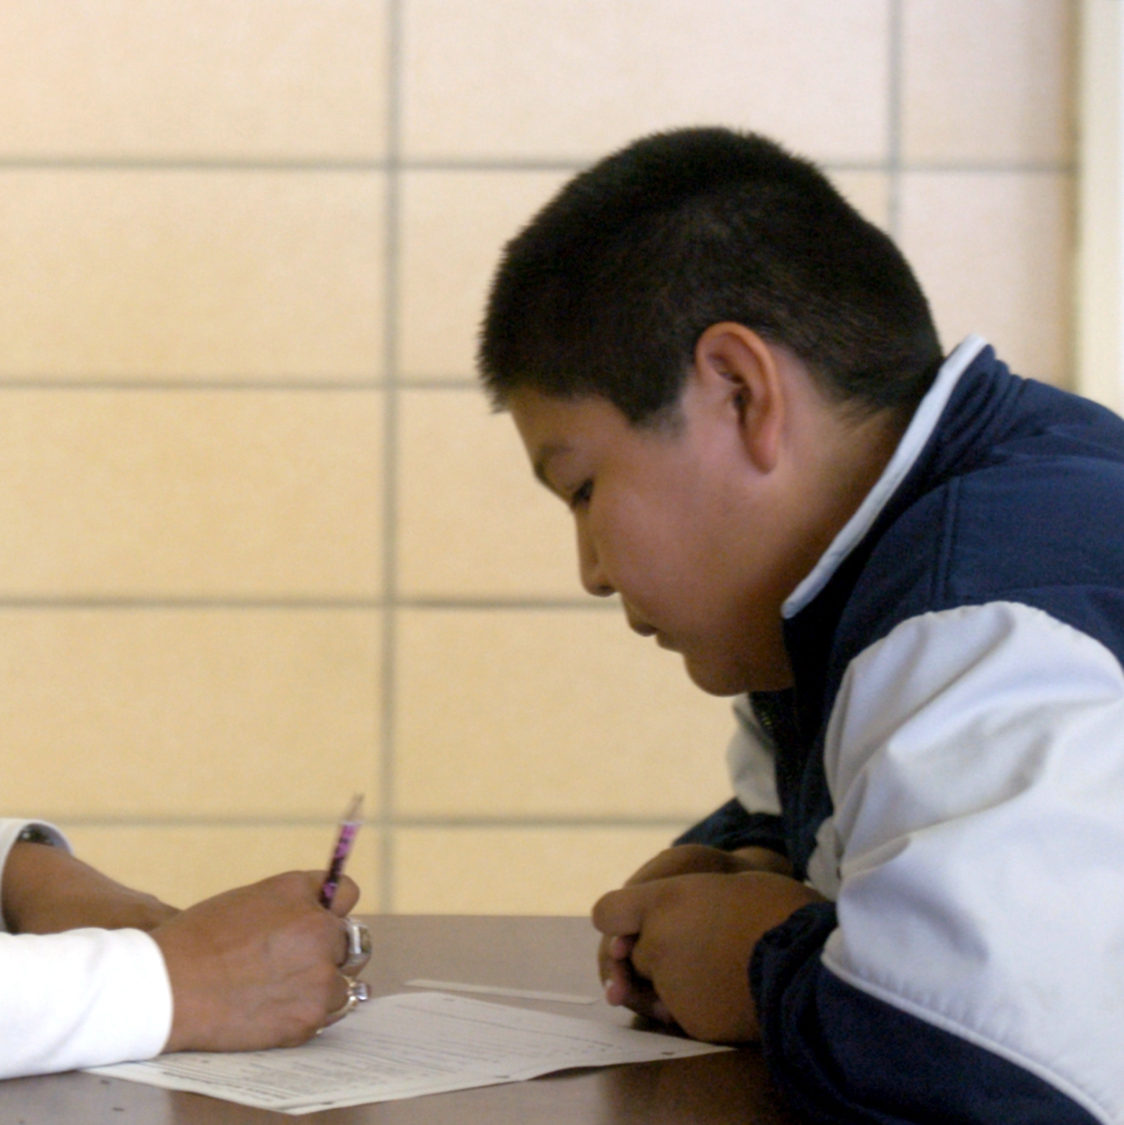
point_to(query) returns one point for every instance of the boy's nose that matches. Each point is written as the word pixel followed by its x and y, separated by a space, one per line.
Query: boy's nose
pixel 593 578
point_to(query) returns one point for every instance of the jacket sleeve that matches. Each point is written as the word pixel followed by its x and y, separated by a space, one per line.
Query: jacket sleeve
pixel 970 969
pixel 843 1056
pixel 82 998
pixel 731 827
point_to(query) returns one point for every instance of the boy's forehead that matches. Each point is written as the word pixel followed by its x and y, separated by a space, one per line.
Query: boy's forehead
pixel 554 427
pixel 550 425
pixel 544 425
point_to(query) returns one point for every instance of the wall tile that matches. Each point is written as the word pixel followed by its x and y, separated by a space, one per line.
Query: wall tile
pixel 194 78
pixel 158 713
pixel 516 870
pixel 230 231
pixel 184 863
pixel 550 713
pixel 138 494
pixel 993 252
pixel 472 522
pixel 988 80
pixel 454 227
pixel 518 79
pixel 867 192
pixel 190 274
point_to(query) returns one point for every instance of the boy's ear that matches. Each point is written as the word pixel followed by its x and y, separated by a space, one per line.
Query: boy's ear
pixel 739 372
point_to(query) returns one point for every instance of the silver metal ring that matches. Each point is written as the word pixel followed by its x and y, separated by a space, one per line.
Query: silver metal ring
pixel 358 947
pixel 356 994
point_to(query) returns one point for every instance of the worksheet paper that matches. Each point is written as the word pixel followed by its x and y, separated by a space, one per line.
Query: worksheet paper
pixel 404 1046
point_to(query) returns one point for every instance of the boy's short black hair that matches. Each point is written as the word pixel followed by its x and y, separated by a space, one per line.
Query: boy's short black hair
pixel 611 284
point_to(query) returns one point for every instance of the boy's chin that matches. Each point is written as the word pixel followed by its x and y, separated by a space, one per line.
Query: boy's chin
pixel 731 677
pixel 715 679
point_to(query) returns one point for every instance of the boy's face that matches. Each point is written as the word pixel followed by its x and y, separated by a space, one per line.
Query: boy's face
pixel 677 523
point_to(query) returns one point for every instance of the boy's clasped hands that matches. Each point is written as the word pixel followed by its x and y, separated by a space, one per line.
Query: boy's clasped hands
pixel 678 936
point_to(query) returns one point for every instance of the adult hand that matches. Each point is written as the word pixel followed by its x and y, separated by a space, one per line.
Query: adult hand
pixel 689 940
pixel 47 890
pixel 258 966
pixel 622 984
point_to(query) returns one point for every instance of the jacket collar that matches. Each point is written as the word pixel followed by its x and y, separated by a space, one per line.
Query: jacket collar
pixel 916 437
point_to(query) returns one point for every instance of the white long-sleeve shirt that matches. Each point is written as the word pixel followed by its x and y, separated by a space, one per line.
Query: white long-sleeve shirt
pixel 83 998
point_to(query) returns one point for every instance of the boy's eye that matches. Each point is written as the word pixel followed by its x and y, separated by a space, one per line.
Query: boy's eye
pixel 580 496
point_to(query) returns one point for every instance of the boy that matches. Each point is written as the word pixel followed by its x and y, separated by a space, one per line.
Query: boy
pixel 910 568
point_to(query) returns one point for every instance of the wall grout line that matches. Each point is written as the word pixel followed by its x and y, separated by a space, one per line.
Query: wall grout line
pixel 552 822
pixel 895 48
pixel 485 165
pixel 235 384
pixel 386 749
pixel 450 603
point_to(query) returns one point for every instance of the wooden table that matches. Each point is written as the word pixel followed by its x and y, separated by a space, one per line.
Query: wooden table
pixel 543 954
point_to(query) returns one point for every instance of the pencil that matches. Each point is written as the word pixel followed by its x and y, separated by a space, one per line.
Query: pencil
pixel 349 826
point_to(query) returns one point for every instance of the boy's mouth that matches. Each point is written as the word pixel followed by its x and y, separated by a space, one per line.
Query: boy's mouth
pixel 646 630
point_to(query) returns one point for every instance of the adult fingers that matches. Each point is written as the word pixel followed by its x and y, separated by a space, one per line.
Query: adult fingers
pixel 309 883
pixel 347 895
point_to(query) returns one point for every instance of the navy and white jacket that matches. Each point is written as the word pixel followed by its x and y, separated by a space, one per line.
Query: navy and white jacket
pixel 949 771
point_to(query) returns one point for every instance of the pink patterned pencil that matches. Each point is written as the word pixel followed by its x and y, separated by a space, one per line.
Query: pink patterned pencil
pixel 349 826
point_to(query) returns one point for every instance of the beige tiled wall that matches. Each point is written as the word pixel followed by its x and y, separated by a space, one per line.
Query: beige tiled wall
pixel 264 545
